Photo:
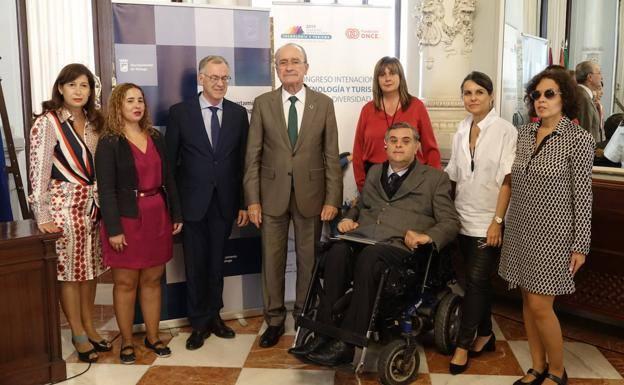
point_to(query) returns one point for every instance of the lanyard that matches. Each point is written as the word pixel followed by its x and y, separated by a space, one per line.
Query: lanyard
pixel 383 105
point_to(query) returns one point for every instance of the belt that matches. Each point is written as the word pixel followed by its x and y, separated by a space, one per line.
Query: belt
pixel 148 193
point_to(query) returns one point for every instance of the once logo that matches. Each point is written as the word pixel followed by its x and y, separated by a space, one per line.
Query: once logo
pixel 352 33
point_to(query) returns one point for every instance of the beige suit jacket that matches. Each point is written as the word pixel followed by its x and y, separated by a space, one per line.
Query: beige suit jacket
pixel 588 115
pixel 274 168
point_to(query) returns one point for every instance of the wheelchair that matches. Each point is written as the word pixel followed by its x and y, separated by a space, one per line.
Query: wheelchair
pixel 412 299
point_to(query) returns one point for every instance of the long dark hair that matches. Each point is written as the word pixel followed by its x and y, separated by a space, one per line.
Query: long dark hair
pixel 114 120
pixel 68 74
pixel 481 79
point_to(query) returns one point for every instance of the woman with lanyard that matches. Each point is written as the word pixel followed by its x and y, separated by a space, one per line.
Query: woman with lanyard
pixel 391 104
pixel 482 154
pixel 62 175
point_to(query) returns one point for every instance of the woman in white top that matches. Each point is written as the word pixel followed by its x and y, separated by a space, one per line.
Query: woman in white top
pixel 482 155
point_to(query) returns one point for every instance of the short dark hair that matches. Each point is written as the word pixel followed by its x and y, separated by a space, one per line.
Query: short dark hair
pixel 398 125
pixel 566 87
pixel 611 124
pixel 481 79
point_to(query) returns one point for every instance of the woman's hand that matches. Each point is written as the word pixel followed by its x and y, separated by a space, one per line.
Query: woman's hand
pixel 177 227
pixel 117 242
pixel 48 227
pixel 576 261
pixel 495 235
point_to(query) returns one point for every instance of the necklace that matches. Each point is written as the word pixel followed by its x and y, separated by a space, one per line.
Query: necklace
pixel 383 105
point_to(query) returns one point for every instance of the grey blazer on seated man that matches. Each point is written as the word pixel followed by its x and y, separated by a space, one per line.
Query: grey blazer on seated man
pixel 422 203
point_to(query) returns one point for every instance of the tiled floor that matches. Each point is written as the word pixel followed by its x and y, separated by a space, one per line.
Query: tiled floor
pixel 594 355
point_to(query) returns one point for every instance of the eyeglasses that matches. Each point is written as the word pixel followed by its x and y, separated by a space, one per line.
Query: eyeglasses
pixel 548 94
pixel 215 78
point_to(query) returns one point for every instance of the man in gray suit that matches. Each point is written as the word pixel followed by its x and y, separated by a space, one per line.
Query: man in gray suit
pixel 588 79
pixel 292 172
pixel 403 205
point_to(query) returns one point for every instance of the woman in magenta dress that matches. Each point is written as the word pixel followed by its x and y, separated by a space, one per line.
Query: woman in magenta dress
pixel 139 203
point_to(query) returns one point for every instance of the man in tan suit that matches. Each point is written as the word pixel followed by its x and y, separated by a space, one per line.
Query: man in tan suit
pixel 588 79
pixel 292 172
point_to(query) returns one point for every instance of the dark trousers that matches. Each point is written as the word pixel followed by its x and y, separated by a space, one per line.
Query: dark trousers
pixel 204 241
pixel 345 262
pixel 477 307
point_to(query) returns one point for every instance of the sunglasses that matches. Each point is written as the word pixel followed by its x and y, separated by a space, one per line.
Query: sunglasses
pixel 548 94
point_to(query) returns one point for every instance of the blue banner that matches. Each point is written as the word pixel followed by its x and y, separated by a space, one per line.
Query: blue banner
pixel 5 199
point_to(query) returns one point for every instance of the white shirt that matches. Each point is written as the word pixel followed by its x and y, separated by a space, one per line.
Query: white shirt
pixel 207 113
pixel 399 173
pixel 476 192
pixel 299 105
pixel 614 151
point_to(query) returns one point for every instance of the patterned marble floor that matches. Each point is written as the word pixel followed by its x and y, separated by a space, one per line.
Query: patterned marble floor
pixel 594 355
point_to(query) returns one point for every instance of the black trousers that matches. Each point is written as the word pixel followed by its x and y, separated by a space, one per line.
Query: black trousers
pixel 203 242
pixel 363 264
pixel 477 306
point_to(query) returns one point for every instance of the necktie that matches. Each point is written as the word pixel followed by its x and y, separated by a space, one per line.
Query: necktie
pixel 392 183
pixel 292 121
pixel 214 126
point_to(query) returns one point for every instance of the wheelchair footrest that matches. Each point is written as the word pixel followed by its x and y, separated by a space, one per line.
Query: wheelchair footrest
pixel 333 332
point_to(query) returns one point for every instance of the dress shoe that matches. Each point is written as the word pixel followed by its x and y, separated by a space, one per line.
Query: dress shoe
pixel 490 346
pixel 196 339
pixel 539 377
pixel 311 345
pixel 332 354
pixel 457 369
pixel 271 335
pixel 220 329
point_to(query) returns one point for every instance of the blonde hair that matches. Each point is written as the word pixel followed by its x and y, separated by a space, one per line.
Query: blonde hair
pixel 114 118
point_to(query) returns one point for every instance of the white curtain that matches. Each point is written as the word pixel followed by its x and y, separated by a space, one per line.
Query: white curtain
pixel 59 32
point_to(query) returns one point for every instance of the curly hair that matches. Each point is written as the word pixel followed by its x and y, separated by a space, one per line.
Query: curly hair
pixel 114 118
pixel 68 74
pixel 567 87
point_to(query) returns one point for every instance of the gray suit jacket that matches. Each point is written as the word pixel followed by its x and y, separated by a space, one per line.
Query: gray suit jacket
pixel 422 203
pixel 274 168
pixel 588 115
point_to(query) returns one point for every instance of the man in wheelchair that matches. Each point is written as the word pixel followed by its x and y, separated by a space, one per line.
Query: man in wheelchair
pixel 402 206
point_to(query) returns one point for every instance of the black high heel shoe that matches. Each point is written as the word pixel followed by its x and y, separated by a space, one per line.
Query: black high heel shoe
pixel 84 356
pixel 539 377
pixel 563 380
pixel 102 346
pixel 455 369
pixel 490 346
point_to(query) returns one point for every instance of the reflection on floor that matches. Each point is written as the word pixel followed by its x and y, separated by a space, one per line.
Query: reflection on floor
pixel 594 355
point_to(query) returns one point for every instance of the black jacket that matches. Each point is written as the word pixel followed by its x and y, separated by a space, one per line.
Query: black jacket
pixel 201 172
pixel 117 181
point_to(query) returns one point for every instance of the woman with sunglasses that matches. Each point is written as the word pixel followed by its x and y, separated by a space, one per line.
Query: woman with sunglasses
pixel 63 140
pixel 141 213
pixel 547 234
pixel 391 104
pixel 482 154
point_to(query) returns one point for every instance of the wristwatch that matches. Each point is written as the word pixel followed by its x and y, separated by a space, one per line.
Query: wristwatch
pixel 498 220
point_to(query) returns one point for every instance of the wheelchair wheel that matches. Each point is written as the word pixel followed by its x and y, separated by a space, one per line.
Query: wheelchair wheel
pixel 446 323
pixel 394 368
pixel 303 336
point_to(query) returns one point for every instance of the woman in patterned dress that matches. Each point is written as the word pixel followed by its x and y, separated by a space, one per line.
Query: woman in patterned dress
pixel 62 175
pixel 549 219
pixel 140 211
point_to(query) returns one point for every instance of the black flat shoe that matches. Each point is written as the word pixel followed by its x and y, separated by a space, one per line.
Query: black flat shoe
pixel 563 380
pixel 158 347
pixel 196 339
pixel 332 354
pixel 310 346
pixel 102 346
pixel 271 336
pixel 127 358
pixel 539 377
pixel 490 346
pixel 220 329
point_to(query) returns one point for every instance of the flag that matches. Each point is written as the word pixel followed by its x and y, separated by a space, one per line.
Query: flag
pixel 5 199
pixel 550 57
